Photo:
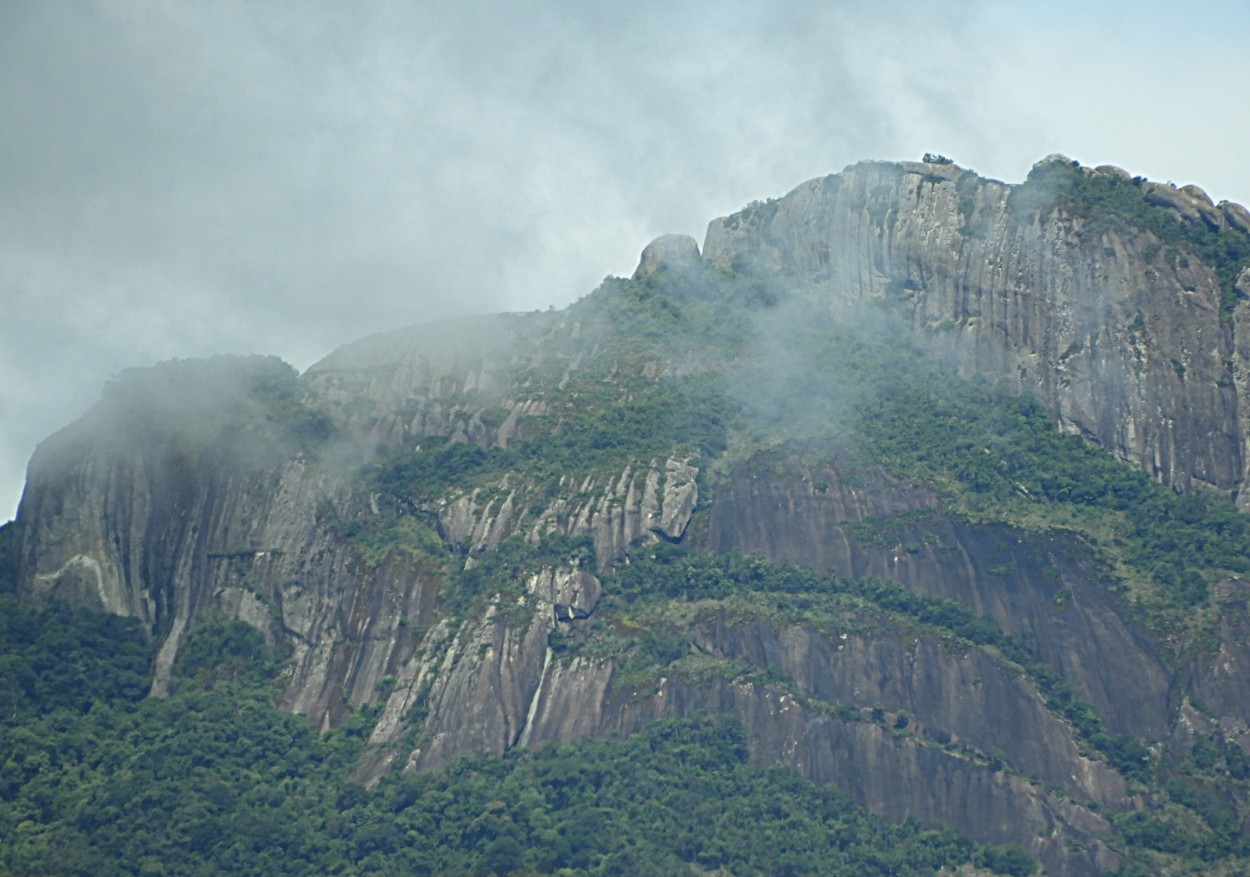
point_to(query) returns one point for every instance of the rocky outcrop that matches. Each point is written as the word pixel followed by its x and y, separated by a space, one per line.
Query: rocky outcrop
pixel 457 379
pixel 1042 587
pixel 154 528
pixel 923 781
pixel 618 511
pixel 1236 216
pixel 950 720
pixel 262 545
pixel 1218 681
pixel 1122 345
pixel 673 252
pixel 963 716
pixel 943 694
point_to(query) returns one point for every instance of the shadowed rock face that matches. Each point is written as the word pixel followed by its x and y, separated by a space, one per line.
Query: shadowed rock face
pixel 1010 576
pixel 1125 348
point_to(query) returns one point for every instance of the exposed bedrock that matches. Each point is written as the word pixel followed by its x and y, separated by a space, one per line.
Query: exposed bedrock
pixel 1122 343
pixel 1014 577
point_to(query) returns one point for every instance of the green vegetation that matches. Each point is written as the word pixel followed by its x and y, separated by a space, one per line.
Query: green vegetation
pixel 9 547
pixel 1200 820
pixel 686 416
pixel 667 573
pixel 1106 201
pixel 654 384
pixel 820 393
pixel 999 456
pixel 866 401
pixel 55 658
pixel 95 779
pixel 756 216
pixel 221 650
pixel 213 780
pixel 505 569
pixel 691 319
pixel 409 533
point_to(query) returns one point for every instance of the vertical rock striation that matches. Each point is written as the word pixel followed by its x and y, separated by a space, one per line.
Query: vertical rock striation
pixel 1119 336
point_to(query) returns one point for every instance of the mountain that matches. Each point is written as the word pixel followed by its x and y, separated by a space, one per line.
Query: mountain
pixel 928 482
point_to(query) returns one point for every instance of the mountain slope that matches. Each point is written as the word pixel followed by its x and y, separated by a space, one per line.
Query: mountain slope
pixel 754 481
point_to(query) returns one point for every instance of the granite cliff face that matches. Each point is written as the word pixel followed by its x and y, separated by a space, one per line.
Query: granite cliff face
pixel 252 493
pixel 1120 335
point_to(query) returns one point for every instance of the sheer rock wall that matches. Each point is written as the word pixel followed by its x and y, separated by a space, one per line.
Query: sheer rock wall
pixel 1121 343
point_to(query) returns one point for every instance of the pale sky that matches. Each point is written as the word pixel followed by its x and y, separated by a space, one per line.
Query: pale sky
pixel 208 176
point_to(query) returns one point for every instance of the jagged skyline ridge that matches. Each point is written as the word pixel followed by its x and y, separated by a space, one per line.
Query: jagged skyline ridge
pixel 283 179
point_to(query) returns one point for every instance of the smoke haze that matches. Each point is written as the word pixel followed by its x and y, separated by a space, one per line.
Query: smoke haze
pixel 225 177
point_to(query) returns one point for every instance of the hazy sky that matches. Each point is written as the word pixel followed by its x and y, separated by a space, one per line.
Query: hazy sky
pixel 183 179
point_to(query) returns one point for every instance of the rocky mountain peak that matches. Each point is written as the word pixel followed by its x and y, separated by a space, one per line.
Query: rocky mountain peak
pixel 815 477
pixel 670 252
pixel 1088 288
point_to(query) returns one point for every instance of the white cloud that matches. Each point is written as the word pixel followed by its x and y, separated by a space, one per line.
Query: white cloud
pixel 186 179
